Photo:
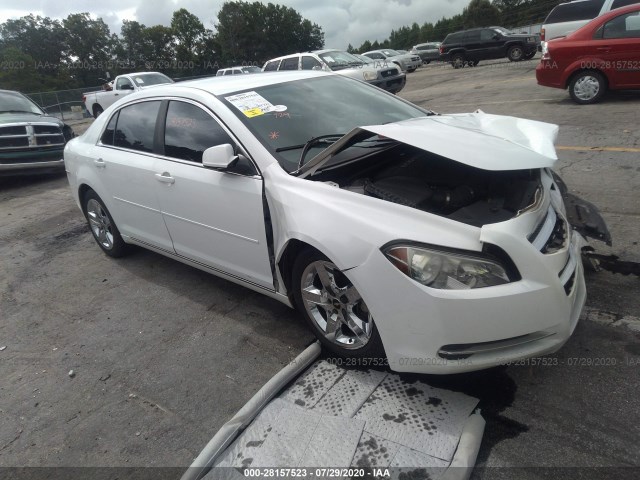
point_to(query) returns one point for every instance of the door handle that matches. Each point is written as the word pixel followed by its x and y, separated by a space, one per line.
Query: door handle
pixel 603 49
pixel 116 94
pixel 99 163
pixel 165 178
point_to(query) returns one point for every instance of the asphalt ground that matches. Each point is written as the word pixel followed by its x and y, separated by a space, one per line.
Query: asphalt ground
pixel 163 354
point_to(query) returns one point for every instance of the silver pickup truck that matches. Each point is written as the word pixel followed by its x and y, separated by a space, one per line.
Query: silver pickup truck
pixel 97 102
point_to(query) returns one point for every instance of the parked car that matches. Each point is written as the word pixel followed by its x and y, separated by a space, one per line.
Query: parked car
pixel 30 140
pixel 390 239
pixel 604 54
pixel 239 70
pixel 469 47
pixel 568 17
pixel 428 52
pixel 382 75
pixel 97 102
pixel 406 62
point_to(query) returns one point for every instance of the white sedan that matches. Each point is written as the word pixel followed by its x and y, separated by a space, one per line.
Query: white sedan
pixel 436 243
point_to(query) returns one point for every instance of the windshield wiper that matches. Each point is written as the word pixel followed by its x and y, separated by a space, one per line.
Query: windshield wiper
pixel 310 143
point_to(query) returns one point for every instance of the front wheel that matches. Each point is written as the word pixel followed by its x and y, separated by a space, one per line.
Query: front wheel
pixel 515 53
pixel 333 308
pixel 587 87
pixel 530 55
pixel 102 226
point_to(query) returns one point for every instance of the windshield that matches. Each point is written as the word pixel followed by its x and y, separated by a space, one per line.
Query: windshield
pixel 292 113
pixel 390 53
pixel 251 69
pixel 14 102
pixel 338 60
pixel 147 79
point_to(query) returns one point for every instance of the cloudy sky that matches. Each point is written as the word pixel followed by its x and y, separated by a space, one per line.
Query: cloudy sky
pixel 343 21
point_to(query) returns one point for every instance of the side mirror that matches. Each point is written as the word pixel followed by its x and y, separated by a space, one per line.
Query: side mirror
pixel 220 157
pixel 126 86
pixel 497 36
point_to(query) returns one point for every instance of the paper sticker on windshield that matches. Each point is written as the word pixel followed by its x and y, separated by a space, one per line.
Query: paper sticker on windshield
pixel 251 103
pixel 138 79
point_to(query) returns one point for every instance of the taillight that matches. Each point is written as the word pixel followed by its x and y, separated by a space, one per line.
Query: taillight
pixel 441 49
pixel 84 98
pixel 542 34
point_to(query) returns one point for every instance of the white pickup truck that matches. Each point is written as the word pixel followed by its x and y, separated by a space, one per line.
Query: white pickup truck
pixel 97 102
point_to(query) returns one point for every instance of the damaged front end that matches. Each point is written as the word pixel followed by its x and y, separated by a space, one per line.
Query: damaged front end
pixel 477 169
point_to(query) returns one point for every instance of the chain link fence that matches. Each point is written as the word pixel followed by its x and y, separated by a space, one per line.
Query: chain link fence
pixel 64 104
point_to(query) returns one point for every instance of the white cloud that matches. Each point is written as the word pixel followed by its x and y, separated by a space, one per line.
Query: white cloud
pixel 343 21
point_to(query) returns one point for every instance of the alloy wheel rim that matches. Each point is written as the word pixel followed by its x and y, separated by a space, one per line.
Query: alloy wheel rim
pixel 586 88
pixel 335 306
pixel 100 224
pixel 516 53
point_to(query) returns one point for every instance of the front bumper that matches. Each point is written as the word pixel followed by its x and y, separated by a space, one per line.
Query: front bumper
pixel 24 165
pixel 391 84
pixel 425 330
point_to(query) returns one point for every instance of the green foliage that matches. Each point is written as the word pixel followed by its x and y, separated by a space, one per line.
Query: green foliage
pixel 254 32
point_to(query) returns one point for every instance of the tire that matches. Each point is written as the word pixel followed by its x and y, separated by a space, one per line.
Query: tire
pixel 529 56
pixel 102 226
pixel 457 61
pixel 97 111
pixel 426 62
pixel 587 86
pixel 411 70
pixel 322 292
pixel 515 53
pixel 473 63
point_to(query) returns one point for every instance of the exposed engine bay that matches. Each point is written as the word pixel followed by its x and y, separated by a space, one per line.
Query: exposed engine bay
pixel 410 176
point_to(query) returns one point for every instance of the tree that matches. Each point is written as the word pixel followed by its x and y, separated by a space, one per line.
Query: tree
pixel 132 48
pixel 159 47
pixel 88 46
pixel 255 32
pixel 193 43
pixel 480 13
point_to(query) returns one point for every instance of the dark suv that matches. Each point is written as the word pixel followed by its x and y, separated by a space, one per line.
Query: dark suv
pixel 470 46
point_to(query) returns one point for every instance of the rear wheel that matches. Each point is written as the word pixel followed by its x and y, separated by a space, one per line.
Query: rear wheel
pixel 333 308
pixel 97 111
pixel 515 53
pixel 102 226
pixel 587 86
pixel 530 55
pixel 457 61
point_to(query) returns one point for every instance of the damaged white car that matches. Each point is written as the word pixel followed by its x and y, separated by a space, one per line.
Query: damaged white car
pixel 439 243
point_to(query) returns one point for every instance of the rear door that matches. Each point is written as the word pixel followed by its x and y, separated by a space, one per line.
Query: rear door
pixel 617 43
pixel 126 164
pixel 215 218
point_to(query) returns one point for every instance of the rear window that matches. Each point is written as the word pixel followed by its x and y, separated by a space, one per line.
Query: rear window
pixel 454 38
pixel 574 11
pixel 622 3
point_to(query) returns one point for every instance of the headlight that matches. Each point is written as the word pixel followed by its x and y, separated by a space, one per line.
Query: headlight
pixel 531 39
pixel 545 49
pixel 446 270
pixel 368 76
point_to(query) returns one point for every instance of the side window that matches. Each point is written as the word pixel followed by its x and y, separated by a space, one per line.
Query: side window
pixel 473 36
pixel 228 72
pixel 219 73
pixel 189 131
pixel 624 26
pixel 107 135
pixel 376 56
pixel 271 66
pixel 309 62
pixel 289 64
pixel 124 83
pixel 486 35
pixel 622 3
pixel 136 125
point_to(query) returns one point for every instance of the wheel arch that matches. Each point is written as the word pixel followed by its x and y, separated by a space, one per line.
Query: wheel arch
pixel 579 70
pixel 287 259
pixel 82 191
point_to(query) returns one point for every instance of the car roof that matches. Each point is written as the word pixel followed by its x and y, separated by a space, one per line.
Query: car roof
pixel 227 84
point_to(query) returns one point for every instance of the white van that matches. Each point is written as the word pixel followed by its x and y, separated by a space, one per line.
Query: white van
pixel 568 17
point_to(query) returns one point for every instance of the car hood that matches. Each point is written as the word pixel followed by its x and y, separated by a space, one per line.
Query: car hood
pixel 7 118
pixel 485 141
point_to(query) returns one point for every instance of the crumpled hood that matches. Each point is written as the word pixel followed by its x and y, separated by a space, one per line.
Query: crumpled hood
pixel 481 140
